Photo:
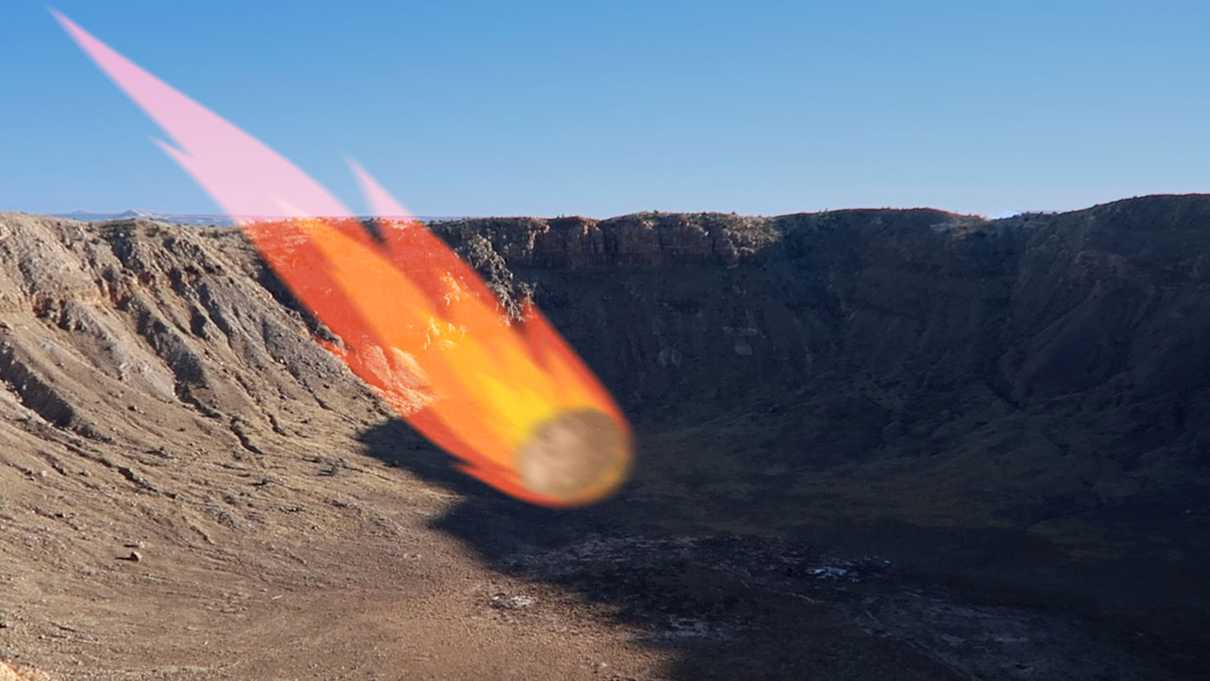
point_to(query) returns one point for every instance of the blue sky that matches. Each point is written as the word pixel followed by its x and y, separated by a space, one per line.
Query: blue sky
pixel 547 108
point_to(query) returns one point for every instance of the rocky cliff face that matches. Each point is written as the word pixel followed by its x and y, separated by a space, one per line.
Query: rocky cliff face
pixel 1047 371
pixel 1097 318
pixel 1045 377
pixel 1035 306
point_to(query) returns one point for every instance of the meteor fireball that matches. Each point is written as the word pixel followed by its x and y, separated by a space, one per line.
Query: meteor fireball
pixel 511 400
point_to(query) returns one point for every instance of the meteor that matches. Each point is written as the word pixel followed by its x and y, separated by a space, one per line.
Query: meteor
pixel 511 400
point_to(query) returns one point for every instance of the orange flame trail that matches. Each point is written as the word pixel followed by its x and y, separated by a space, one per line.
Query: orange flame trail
pixel 513 402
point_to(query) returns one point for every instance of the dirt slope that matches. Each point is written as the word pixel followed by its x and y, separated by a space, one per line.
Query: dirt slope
pixel 159 402
pixel 876 444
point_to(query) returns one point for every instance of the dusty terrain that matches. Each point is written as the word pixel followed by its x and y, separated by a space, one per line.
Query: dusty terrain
pixel 873 444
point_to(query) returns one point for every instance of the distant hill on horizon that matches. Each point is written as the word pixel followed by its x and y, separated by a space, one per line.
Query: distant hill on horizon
pixel 223 220
pixel 217 219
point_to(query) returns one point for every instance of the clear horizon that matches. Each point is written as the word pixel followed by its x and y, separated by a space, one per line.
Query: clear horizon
pixel 453 216
pixel 608 109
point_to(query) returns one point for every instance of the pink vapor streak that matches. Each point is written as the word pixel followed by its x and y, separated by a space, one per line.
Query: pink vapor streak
pixel 240 172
